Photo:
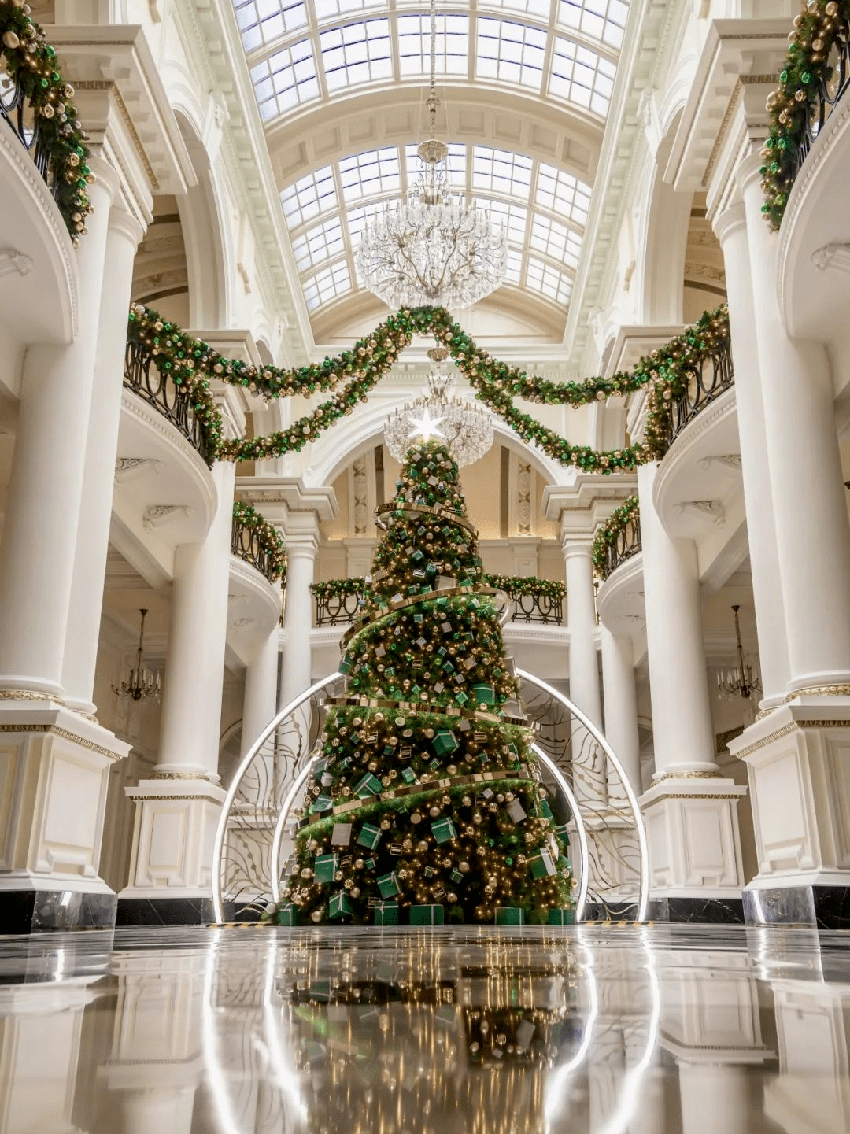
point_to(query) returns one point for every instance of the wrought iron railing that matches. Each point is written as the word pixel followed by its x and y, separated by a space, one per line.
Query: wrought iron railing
pixel 17 111
pixel 534 600
pixel 257 542
pixel 618 539
pixel 700 384
pixel 144 378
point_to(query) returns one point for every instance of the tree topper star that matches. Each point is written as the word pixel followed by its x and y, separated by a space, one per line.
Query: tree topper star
pixel 425 426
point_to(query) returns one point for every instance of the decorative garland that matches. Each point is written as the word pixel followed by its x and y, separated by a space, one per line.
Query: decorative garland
pixel 666 371
pixel 333 588
pixel 607 533
pixel 806 72
pixel 269 538
pixel 31 64
pixel 519 585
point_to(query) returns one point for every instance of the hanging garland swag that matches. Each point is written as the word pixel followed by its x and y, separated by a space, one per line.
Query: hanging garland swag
pixel 353 375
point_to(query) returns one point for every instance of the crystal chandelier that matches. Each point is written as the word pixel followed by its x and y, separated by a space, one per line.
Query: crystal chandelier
pixel 431 249
pixel 743 680
pixel 140 682
pixel 466 428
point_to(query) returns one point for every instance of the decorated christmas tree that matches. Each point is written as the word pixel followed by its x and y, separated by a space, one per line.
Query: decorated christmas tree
pixel 426 801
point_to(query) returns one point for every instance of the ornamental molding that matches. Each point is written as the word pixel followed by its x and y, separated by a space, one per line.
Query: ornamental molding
pixel 20 161
pixel 54 730
pixel 710 509
pixel 725 460
pixel 11 261
pixel 158 515
pixel 834 255
pixel 131 468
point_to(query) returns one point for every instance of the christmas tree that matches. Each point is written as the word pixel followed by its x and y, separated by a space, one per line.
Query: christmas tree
pixel 426 802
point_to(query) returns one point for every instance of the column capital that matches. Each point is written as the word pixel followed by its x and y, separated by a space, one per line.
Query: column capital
pixel 586 503
pixel 731 220
pixel 282 498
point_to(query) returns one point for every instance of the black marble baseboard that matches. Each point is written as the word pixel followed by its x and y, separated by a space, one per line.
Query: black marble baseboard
pixel 46 911
pixel 164 911
pixel 610 911
pixel 820 907
pixel 707 911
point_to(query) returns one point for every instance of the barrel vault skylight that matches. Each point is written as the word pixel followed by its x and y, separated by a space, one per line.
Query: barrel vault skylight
pixel 543 210
pixel 304 53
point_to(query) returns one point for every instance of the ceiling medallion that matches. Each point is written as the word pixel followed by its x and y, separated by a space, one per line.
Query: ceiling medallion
pixel 432 250
pixel 466 428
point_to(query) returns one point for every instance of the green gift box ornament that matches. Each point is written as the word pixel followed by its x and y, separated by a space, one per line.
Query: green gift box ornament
pixel 443 830
pixel 563 834
pixel 325 867
pixel 562 917
pixel 386 913
pixel 322 803
pixel 286 915
pixel 369 785
pixel 339 906
pixel 388 885
pixel 483 694
pixel 408 775
pixel 544 809
pixel 427 915
pixel 444 743
pixel 542 865
pixel 510 915
pixel 369 836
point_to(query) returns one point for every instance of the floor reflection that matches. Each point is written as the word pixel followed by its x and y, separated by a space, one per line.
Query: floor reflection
pixel 477 1031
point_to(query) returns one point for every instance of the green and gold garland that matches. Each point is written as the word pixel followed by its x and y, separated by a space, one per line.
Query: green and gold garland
pixel 515 585
pixel 608 532
pixel 270 539
pixel 30 63
pixel 806 70
pixel 354 374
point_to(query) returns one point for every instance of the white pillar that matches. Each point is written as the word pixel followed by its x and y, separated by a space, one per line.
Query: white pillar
pixel 302 543
pixel 715 1096
pixel 260 689
pixel 690 812
pixel 581 622
pixel 46 482
pixel 81 639
pixel 681 711
pixel 621 717
pixel 812 533
pixel 758 495
pixel 194 673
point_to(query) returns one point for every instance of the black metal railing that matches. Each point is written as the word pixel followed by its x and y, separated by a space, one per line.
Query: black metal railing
pixel 621 545
pixel 701 384
pixel 338 606
pixel 17 111
pixel 144 378
pixel 828 91
pixel 250 544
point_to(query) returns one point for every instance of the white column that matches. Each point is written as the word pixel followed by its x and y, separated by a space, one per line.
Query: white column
pixel 302 543
pixel 46 482
pixel 681 711
pixel 194 673
pixel 81 639
pixel 581 622
pixel 260 689
pixel 715 1097
pixel 758 497
pixel 812 533
pixel 621 718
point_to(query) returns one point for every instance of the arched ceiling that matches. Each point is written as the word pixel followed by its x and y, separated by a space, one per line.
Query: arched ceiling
pixel 524 86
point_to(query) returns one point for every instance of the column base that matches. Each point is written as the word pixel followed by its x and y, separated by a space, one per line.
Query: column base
pixel 819 907
pixel 164 911
pixel 54 773
pixel 39 910
pixel 798 764
pixel 694 847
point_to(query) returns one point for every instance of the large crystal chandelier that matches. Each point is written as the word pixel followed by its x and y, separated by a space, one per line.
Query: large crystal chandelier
pixel 431 249
pixel 466 428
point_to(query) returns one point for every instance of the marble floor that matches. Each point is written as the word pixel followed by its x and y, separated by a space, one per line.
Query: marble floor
pixel 474 1031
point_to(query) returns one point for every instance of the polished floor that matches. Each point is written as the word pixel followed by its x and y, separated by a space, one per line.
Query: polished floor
pixel 476 1031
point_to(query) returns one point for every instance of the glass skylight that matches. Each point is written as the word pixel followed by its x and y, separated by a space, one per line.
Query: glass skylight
pixel 542 210
pixel 300 51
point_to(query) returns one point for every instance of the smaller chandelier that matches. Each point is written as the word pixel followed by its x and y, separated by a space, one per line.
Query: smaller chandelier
pixel 140 682
pixel 466 428
pixel 743 680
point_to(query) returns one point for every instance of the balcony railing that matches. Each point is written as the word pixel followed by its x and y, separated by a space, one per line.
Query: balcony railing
pixel 256 541
pixel 144 378
pixel 618 539
pixel 534 600
pixel 700 383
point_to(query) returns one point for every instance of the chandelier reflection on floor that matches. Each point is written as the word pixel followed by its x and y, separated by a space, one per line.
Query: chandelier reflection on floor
pixel 431 249
pixel 466 427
